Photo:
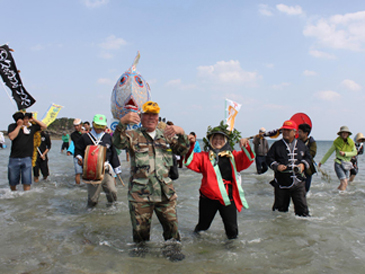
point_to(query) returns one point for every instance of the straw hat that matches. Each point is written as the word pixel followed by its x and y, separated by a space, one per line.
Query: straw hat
pixel 359 138
pixel 344 129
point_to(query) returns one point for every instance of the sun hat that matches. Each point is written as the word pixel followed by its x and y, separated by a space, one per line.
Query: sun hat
pixel 100 120
pixel 150 107
pixel 263 130
pixel 289 124
pixel 77 121
pixel 344 129
pixel 359 138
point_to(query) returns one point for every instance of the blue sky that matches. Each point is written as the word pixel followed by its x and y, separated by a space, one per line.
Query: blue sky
pixel 276 58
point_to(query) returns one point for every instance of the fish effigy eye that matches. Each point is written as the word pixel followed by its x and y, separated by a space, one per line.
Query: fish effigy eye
pixel 123 80
pixel 139 81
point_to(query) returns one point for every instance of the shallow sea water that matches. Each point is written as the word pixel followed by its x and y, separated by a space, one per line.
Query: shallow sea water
pixel 49 229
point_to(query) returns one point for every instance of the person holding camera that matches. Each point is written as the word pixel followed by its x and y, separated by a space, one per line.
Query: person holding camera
pixel 289 157
pixel 21 133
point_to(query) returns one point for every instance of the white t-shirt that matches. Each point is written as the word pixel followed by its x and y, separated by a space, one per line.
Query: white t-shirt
pixel 152 134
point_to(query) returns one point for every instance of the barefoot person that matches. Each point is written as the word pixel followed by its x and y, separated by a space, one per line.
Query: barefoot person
pixel 345 149
pixel 21 134
pixel 220 188
pixel 150 189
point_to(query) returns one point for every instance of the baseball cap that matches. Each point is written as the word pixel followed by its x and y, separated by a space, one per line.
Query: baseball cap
pixel 100 120
pixel 77 121
pixel 150 107
pixel 289 124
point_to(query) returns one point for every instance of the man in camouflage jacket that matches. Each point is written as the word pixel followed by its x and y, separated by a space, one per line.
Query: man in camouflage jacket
pixel 150 189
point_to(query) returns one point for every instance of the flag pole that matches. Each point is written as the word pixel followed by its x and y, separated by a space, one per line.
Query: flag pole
pixel 225 110
pixel 11 100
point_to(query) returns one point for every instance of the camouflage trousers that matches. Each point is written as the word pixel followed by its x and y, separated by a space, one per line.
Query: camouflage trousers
pixel 141 217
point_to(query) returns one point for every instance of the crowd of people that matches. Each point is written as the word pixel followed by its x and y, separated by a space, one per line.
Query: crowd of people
pixel 152 149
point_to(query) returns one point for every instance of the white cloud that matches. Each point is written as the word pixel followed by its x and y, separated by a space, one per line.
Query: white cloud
pixel 328 95
pixel 339 31
pixel 270 66
pixel 112 43
pixel 321 54
pixel 95 3
pixel 38 47
pixel 228 73
pixel 105 81
pixel 274 107
pixel 281 86
pixel 177 84
pixel 296 10
pixel 152 81
pixel 173 83
pixel 351 85
pixel 309 73
pixel 106 55
pixel 265 10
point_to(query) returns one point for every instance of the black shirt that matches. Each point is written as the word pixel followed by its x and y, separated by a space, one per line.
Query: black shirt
pixel 75 137
pixel 106 141
pixel 23 144
pixel 45 143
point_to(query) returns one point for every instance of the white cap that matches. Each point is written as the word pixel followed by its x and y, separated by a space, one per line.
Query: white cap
pixel 77 121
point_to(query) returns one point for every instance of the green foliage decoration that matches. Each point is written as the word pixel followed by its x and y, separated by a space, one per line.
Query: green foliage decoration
pixel 234 136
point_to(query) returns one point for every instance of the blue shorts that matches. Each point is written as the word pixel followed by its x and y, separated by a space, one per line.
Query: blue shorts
pixel 341 173
pixel 19 166
pixel 78 168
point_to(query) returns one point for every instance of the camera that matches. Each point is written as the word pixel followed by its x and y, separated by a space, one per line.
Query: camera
pixel 296 169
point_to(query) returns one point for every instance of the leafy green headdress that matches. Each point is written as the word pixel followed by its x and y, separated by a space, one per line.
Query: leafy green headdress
pixel 232 136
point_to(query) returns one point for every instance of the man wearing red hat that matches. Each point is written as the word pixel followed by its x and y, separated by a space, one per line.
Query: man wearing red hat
pixel 289 157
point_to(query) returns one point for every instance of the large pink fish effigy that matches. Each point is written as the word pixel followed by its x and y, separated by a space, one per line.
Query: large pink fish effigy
pixel 130 92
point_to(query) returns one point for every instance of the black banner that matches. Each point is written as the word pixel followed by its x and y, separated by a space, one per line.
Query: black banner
pixel 9 74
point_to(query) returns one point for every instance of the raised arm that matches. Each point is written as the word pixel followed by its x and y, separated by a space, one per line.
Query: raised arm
pixel 120 137
pixel 14 133
pixel 40 123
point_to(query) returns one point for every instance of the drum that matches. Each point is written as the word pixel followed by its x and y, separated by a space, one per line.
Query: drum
pixel 94 159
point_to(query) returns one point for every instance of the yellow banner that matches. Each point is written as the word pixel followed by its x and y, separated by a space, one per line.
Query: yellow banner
pixel 51 114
